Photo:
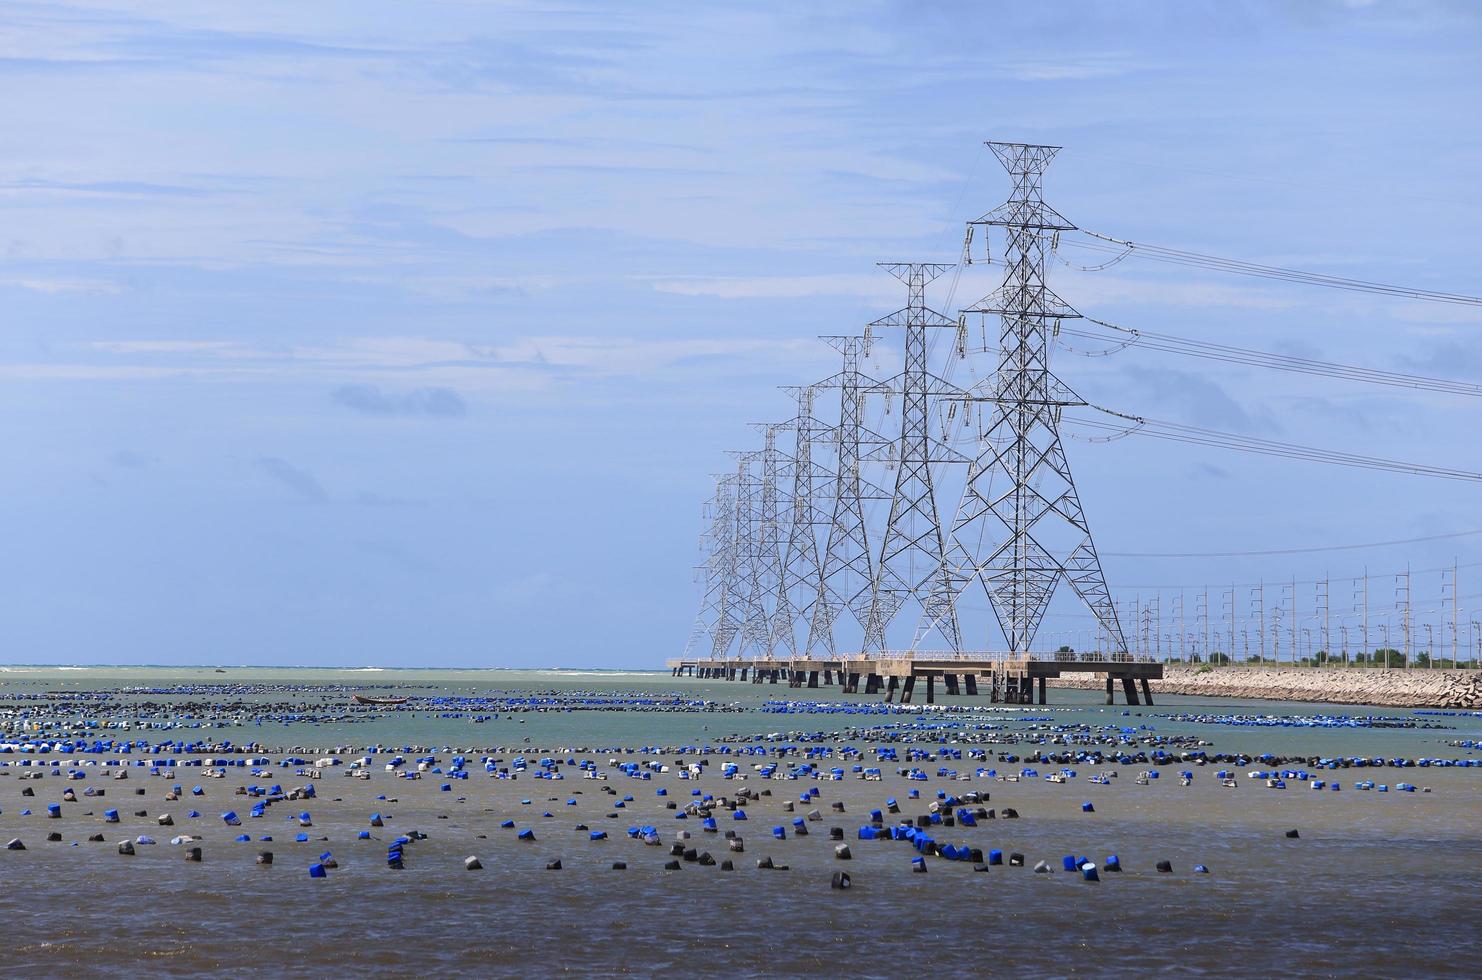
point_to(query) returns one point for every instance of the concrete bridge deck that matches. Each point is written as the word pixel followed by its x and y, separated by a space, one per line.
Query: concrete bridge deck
pixel 1007 679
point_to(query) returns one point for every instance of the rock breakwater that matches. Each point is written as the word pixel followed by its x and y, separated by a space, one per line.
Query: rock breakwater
pixel 1414 688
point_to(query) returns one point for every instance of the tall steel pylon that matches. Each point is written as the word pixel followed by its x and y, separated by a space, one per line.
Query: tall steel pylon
pixel 913 555
pixel 718 544
pixel 727 561
pixel 757 632
pixel 848 567
pixel 802 596
pixel 1048 537
pixel 748 586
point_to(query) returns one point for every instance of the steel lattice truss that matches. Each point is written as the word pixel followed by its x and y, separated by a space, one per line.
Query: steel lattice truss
pixel 913 557
pixel 790 545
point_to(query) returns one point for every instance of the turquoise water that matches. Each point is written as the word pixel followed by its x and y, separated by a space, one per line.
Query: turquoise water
pixel 736 709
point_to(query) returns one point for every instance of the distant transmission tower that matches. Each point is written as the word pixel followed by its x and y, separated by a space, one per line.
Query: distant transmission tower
pixel 848 569
pixel 913 557
pixel 1048 537
pixel 717 542
pixel 726 562
pixel 750 586
pixel 760 631
pixel 802 597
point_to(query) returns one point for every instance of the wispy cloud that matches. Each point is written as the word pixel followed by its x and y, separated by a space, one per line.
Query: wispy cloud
pixel 1194 398
pixel 371 400
pixel 42 284
pixel 128 459
pixel 376 357
pixel 873 287
pixel 300 481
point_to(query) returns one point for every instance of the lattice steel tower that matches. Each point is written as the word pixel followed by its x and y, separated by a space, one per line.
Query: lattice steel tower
pixel 1048 537
pixel 913 554
pixel 848 568
pixel 715 618
pixel 802 596
pixel 757 633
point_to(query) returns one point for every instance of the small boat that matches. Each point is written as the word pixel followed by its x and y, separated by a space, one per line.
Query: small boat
pixel 363 699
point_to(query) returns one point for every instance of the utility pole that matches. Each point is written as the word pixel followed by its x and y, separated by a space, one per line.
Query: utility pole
pixel 1455 655
pixel 1260 595
pixel 1203 610
pixel 1231 624
pixel 1402 588
pixel 1049 538
pixel 1366 615
pixel 1182 652
pixel 1157 622
pixel 1321 590
pixel 1293 611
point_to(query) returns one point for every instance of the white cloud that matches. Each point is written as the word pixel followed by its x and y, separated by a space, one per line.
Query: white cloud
pixel 874 287
pixel 47 285
pixel 524 364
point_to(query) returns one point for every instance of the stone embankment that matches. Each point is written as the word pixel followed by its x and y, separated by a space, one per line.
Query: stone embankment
pixel 1414 688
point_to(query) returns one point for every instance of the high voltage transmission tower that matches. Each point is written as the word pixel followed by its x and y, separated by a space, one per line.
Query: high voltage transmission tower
pixel 718 542
pixel 1048 537
pixel 913 558
pixel 803 597
pixel 848 565
pixel 803 555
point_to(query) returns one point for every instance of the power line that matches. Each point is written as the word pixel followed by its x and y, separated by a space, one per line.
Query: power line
pixel 1194 435
pixel 1176 256
pixel 1288 551
pixel 1266 359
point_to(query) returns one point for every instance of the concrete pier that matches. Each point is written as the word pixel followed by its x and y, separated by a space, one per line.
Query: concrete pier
pixel 1008 679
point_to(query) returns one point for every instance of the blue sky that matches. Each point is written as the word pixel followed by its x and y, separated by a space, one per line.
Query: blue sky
pixel 376 333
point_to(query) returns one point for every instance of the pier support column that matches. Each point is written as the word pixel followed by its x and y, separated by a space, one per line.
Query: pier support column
pixel 1109 698
pixel 774 674
pixel 890 689
pixel 931 688
pixel 1042 686
pixel 812 678
pixel 872 684
pixel 951 681
pixel 828 678
pixel 971 680
pixel 1129 688
pixel 1147 695
pixel 907 688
